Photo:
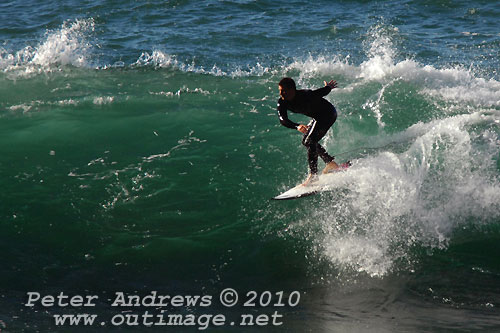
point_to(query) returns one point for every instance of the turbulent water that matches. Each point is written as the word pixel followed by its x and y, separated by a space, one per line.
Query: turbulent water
pixel 140 146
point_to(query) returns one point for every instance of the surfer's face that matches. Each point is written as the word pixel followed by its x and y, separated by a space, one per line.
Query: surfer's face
pixel 287 93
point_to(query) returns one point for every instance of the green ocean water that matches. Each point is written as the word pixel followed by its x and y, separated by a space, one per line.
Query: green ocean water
pixel 140 148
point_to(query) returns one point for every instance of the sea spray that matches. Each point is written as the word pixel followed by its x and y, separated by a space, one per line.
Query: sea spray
pixel 68 45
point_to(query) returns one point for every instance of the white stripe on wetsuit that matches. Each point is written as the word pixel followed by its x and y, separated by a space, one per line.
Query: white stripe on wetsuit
pixel 311 129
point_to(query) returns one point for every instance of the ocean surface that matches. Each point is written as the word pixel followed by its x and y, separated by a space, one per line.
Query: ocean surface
pixel 140 147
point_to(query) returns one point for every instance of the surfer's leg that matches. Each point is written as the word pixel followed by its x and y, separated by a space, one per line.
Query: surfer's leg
pixel 311 178
pixel 312 157
pixel 329 167
pixel 317 130
pixel 313 149
pixel 311 143
pixel 327 158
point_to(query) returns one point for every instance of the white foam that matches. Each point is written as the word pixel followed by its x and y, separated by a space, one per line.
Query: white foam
pixel 421 129
pixel 101 100
pixel 453 84
pixel 158 59
pixel 419 196
pixel 66 46
pixel 182 90
pixel 23 107
pixel 325 66
pixel 356 253
pixel 37 104
pixel 389 202
pixel 163 60
pixel 477 91
pixel 381 53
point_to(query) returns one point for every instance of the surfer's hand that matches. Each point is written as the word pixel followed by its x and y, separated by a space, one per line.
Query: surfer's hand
pixel 332 84
pixel 302 128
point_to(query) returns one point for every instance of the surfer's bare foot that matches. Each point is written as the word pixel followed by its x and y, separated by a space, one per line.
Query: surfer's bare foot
pixel 331 166
pixel 310 179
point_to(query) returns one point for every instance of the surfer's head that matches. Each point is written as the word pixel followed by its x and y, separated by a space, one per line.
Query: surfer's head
pixel 287 88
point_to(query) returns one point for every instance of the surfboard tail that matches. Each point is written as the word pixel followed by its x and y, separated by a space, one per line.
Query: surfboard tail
pixel 345 165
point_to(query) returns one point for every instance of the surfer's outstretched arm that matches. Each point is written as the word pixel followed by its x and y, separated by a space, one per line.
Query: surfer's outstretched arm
pixel 329 86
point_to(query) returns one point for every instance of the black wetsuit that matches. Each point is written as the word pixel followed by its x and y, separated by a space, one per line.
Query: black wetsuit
pixel 312 104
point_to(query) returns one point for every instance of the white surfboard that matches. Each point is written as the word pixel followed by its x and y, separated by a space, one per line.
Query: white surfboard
pixel 324 183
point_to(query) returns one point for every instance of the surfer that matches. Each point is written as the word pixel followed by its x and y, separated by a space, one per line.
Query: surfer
pixel 312 104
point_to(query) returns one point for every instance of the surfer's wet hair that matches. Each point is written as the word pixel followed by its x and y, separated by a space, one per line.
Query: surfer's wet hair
pixel 288 83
